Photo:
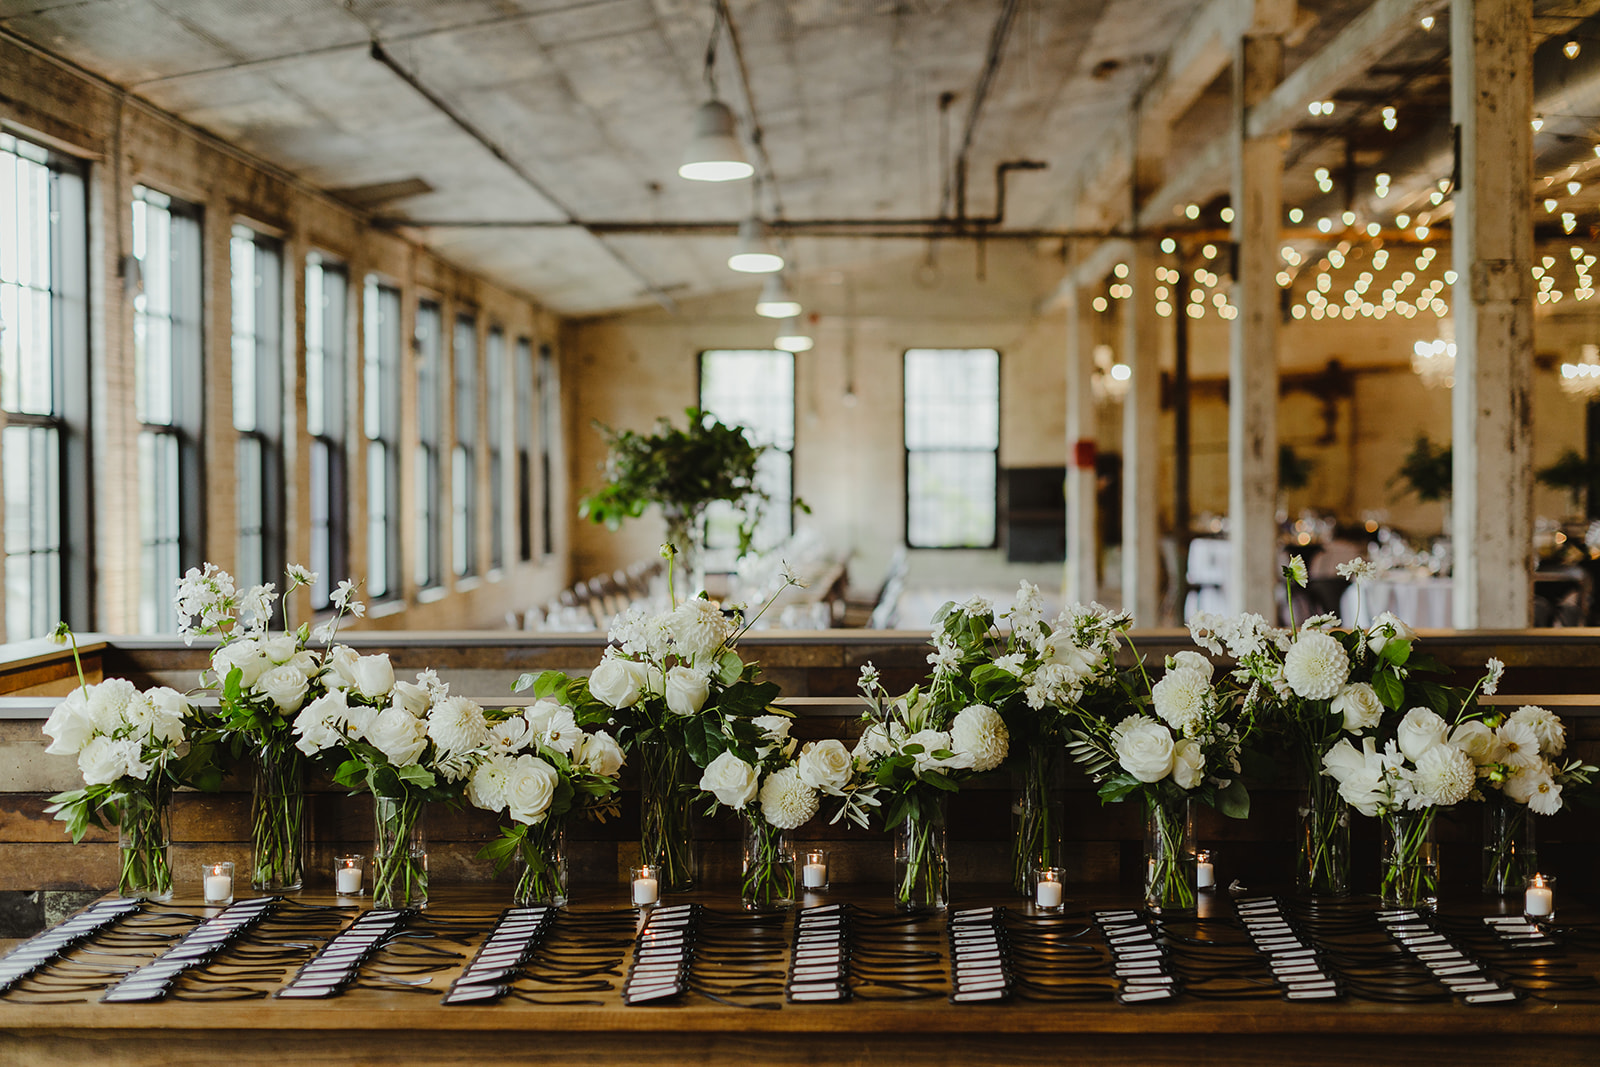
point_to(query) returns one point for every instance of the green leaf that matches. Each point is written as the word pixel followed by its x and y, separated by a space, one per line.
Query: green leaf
pixel 1116 788
pixel 523 681
pixel 1389 689
pixel 1234 801
pixel 1396 652
pixel 940 781
pixel 730 667
pixel 416 775
pixel 351 774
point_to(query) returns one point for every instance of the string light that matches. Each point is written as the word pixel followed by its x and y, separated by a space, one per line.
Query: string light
pixel 1538 123
pixel 1570 49
pixel 1550 205
pixel 1168 245
pixel 1296 215
pixel 1100 303
pixel 1402 221
pixel 1192 211
pixel 1427 22
pixel 1573 187
pixel 1227 214
pixel 1389 119
pixel 1120 270
pixel 1569 222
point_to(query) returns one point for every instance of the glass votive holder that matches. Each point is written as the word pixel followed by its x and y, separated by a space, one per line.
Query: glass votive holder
pixel 813 863
pixel 1205 872
pixel 645 882
pixel 1049 888
pixel 347 875
pixel 1539 899
pixel 216 880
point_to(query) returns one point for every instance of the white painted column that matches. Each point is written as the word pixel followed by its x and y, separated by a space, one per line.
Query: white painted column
pixel 1253 351
pixel 1141 442
pixel 1492 104
pixel 1083 550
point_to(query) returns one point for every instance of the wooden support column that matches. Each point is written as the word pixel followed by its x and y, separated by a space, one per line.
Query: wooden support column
pixel 1083 525
pixel 1492 102
pixel 1253 353
pixel 1141 442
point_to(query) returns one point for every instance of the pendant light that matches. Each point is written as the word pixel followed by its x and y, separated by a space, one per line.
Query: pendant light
pixel 714 153
pixel 775 301
pixel 753 254
pixel 792 338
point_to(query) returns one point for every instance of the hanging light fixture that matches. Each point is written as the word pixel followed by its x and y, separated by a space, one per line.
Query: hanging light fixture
pixel 775 301
pixel 714 153
pixel 1435 363
pixel 753 254
pixel 792 337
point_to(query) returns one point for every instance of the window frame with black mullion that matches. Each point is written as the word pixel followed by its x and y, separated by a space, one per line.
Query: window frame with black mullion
pixel 70 589
pixel 466 383
pixel 184 503
pixel 494 425
pixel 524 414
pixel 382 344
pixel 265 433
pixel 326 422
pixel 548 381
pixel 428 349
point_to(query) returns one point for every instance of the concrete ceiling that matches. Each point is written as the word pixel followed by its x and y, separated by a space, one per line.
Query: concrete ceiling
pixel 592 100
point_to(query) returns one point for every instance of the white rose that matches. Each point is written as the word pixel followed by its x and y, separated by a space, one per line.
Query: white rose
pixel 318 723
pixel 285 686
pixel 530 784
pixel 400 736
pixel 168 710
pixel 980 735
pixel 731 780
pixel 486 784
pixel 103 760
pixel 1194 661
pixel 279 650
pixel 340 672
pixel 825 765
pixel 687 690
pixel 1388 627
pixel 1475 739
pixel 1420 730
pixel 1180 698
pixel 306 661
pixel 373 676
pixel 600 753
pixel 932 741
pixel 1062 650
pixel 617 682
pixel 1359 704
pixel 1316 666
pixel 69 725
pixel 245 655
pixel 1188 764
pixel 412 698
pixel 787 801
pixel 1144 748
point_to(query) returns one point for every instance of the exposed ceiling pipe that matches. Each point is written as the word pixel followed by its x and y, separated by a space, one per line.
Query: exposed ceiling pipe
pixel 467 126
pixel 768 177
pixel 980 93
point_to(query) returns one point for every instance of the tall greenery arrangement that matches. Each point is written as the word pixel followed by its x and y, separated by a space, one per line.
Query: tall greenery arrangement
pixel 683 472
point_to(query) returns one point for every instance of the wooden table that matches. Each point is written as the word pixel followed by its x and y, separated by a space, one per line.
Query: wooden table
pixel 367 1026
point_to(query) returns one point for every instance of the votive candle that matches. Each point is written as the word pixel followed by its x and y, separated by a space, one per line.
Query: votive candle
pixel 814 871
pixel 347 876
pixel 217 881
pixel 1539 902
pixel 1205 872
pixel 1049 887
pixel 646 885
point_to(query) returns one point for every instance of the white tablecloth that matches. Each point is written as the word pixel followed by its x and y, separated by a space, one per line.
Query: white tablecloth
pixel 1210 559
pixel 1422 602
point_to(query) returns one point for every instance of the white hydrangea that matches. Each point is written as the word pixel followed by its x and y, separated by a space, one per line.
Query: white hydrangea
pixel 1027 612
pixel 787 802
pixel 1316 666
pixel 979 735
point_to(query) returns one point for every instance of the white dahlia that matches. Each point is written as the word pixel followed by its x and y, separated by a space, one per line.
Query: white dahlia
pixel 979 735
pixel 698 628
pixel 786 801
pixel 1316 666
pixel 1444 776
pixel 1180 698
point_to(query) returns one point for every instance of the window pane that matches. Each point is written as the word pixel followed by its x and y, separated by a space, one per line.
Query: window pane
pixel 378 518
pixel 494 370
pixel 549 431
pixel 952 435
pixel 429 515
pixel 251 566
pixel 754 389
pixel 159 531
pixel 523 418
pixel 464 457
pixel 381 423
pixel 32 456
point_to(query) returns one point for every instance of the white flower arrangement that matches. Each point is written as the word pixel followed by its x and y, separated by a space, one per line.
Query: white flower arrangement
pixel 1519 756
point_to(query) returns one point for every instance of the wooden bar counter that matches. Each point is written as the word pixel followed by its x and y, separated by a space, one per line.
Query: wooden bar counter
pixel 398 1026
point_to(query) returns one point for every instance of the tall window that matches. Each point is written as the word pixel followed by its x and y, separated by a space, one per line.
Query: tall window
pixel 43 371
pixel 952 423
pixel 464 457
pixel 257 263
pixel 494 373
pixel 549 431
pixel 168 364
pixel 430 527
pixel 523 420
pixel 754 389
pixel 327 365
pixel 381 424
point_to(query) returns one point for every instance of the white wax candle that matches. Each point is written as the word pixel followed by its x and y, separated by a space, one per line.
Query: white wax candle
pixel 1048 894
pixel 1205 875
pixel 1540 900
pixel 645 890
pixel 348 882
pixel 219 886
pixel 815 875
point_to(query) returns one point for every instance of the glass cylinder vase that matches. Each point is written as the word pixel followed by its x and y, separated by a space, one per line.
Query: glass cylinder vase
pixel 540 863
pixel 144 838
pixel 1322 866
pixel 1408 869
pixel 1169 855
pixel 1038 814
pixel 665 839
pixel 921 862
pixel 766 881
pixel 277 820
pixel 399 853
pixel 1510 854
